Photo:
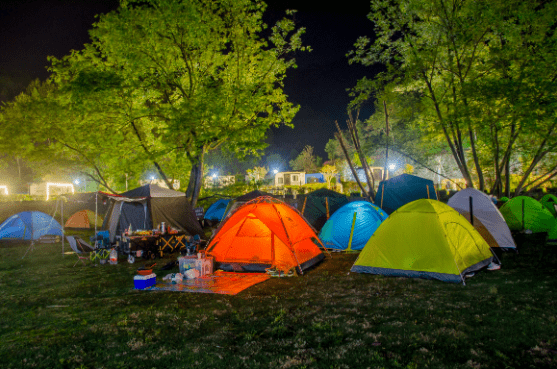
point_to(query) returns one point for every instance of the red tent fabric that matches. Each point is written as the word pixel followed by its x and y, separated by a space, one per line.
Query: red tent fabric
pixel 265 233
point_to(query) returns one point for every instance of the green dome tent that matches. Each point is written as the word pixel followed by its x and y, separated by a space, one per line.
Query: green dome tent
pixel 424 239
pixel 549 202
pixel 525 213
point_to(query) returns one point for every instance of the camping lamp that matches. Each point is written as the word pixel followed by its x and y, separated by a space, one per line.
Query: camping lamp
pixel 5 188
pixel 48 185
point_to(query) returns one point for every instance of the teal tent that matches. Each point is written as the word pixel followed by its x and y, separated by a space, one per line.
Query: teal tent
pixel 29 225
pixel 216 210
pixel 351 226
pixel 400 190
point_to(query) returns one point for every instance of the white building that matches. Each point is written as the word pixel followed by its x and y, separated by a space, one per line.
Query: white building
pixel 49 189
pixel 290 179
pixel 218 181
pixel 161 183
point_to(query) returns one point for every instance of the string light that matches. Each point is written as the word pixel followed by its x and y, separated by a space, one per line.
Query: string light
pixel 57 185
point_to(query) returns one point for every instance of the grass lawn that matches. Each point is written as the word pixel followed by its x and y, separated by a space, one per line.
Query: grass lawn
pixel 53 315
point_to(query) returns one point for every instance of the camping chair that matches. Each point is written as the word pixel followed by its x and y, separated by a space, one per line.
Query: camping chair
pixel 80 247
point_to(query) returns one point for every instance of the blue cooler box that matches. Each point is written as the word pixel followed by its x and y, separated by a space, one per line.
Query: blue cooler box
pixel 143 281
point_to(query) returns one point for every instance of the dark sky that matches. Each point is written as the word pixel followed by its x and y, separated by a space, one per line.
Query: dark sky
pixel 32 30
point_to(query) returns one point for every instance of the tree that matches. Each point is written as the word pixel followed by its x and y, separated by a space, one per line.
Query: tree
pixel 306 161
pixel 329 172
pixel 483 75
pixel 166 81
pixel 257 175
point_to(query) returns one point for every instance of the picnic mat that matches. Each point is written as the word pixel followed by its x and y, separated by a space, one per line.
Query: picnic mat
pixel 225 283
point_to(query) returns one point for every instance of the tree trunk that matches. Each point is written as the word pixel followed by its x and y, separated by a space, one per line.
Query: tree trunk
pixel 356 140
pixel 196 177
pixel 476 160
pixel 341 141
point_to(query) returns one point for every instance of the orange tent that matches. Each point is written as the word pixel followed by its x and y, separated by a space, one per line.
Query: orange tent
pixel 264 233
pixel 83 219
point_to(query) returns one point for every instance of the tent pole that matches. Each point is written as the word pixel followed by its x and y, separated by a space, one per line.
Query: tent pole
pixel 96 211
pixel 304 206
pixel 62 221
pixel 327 206
pixel 382 192
pixel 471 201
pixel 351 233
pixel 523 226
pixel 427 187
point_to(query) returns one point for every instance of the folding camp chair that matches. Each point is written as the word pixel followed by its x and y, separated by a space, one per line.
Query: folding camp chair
pixel 80 247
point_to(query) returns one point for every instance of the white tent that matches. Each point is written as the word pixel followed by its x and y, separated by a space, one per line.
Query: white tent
pixel 485 210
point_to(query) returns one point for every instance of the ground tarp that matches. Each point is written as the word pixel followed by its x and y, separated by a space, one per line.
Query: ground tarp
pixel 424 239
pixel 224 283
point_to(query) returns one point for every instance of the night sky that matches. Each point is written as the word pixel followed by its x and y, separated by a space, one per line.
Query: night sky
pixel 32 30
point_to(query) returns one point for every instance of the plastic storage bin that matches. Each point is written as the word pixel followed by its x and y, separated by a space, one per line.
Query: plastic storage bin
pixel 186 263
pixel 143 281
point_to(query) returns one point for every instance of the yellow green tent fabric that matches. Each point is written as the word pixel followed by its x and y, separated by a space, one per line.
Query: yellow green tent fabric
pixel 535 217
pixel 424 239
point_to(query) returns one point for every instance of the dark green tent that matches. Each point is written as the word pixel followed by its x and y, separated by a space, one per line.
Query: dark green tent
pixel 319 205
pixel 549 201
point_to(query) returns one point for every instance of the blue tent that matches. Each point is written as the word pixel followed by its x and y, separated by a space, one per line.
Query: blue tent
pixel 335 234
pixel 216 210
pixel 29 225
pixel 400 190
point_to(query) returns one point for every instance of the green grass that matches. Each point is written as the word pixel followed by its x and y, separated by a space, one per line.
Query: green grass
pixel 53 315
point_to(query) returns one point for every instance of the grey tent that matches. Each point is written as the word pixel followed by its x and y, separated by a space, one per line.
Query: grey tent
pixel 485 210
pixel 146 207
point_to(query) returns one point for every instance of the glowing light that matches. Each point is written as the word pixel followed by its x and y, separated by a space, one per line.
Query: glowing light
pixel 5 188
pixel 76 181
pixel 392 166
pixel 214 176
pixel 48 185
pixel 152 178
pixel 275 171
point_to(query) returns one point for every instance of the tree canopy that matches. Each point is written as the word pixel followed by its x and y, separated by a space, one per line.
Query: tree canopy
pixel 162 83
pixel 481 75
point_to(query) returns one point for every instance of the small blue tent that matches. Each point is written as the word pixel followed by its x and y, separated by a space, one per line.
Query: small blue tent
pixel 216 210
pixel 29 225
pixel 400 190
pixel 335 234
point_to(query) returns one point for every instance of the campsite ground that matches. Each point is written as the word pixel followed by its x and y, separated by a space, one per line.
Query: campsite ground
pixel 54 315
